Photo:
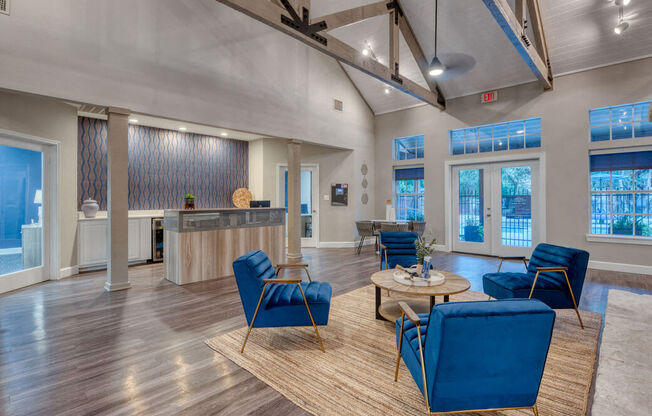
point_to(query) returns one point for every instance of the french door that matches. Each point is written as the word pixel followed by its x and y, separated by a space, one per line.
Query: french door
pixel 496 208
pixel 309 202
pixel 25 229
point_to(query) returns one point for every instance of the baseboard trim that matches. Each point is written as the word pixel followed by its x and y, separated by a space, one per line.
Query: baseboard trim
pixel 112 287
pixel 620 267
pixel 68 271
pixel 346 244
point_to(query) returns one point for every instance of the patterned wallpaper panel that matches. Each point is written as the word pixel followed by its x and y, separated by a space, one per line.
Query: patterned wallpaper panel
pixel 163 166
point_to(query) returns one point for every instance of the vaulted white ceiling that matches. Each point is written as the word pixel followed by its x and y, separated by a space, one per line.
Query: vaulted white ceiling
pixel 579 35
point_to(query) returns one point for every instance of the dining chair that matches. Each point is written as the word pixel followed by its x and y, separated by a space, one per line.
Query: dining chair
pixel 365 229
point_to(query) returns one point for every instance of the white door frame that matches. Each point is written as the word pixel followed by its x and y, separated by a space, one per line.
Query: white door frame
pixel 51 163
pixel 448 174
pixel 315 197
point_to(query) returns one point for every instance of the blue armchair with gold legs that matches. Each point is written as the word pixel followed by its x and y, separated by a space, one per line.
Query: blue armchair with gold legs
pixel 398 248
pixel 554 275
pixel 476 356
pixel 272 302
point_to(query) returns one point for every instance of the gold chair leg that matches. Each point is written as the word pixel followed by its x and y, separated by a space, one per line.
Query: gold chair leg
pixel 489 297
pixel 400 344
pixel 423 370
pixel 254 319
pixel 574 303
pixel 499 266
pixel 311 320
pixel 535 410
pixel 308 273
pixel 536 276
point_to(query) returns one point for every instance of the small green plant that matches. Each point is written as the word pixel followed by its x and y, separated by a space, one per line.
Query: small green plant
pixel 189 196
pixel 424 248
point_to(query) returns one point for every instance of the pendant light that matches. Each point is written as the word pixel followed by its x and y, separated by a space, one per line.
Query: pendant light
pixel 436 67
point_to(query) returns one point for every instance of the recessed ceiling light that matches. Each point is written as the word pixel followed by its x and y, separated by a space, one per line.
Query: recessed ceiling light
pixel 133 120
pixel 224 134
pixel 183 128
pixel 387 91
pixel 365 52
pixel 622 26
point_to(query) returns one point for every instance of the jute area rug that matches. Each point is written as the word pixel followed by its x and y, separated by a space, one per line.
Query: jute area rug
pixel 356 374
pixel 624 380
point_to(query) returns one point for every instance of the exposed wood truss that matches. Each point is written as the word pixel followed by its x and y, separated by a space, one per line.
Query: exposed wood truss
pixel 284 15
pixel 536 57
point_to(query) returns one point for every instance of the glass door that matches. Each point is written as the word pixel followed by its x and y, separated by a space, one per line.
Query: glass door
pixel 496 208
pixel 309 203
pixel 516 206
pixel 23 215
pixel 472 209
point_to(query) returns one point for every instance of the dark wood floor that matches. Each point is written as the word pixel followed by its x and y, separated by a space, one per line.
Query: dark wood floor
pixel 70 348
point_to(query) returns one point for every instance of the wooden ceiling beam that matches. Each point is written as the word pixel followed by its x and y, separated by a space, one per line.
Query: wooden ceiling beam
pixel 394 42
pixel 537 28
pixel 508 22
pixel 420 57
pixel 354 15
pixel 274 16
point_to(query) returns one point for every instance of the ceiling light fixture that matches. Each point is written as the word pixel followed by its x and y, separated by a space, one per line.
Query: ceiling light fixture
pixel 183 128
pixel 133 120
pixel 622 2
pixel 622 24
pixel 369 51
pixel 436 67
pixel 224 134
pixel 387 91
pixel 365 52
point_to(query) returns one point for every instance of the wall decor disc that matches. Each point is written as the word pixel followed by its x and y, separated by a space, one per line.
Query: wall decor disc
pixel 364 169
pixel 364 198
pixel 242 197
pixel 365 183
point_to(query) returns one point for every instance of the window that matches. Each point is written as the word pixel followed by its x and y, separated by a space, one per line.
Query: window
pixel 518 134
pixel 409 190
pixel 621 194
pixel 620 122
pixel 406 148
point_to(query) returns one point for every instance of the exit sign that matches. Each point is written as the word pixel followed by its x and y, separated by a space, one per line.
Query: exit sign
pixel 489 97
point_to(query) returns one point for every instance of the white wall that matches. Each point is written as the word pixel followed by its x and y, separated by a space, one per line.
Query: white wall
pixel 53 120
pixel 192 60
pixel 565 140
pixel 336 223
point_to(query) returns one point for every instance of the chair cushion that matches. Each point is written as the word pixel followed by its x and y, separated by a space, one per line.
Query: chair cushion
pixel 410 333
pixel 289 294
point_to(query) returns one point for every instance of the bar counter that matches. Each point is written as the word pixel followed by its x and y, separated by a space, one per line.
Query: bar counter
pixel 202 244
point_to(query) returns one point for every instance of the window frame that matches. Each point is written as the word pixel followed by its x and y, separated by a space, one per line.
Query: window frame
pixel 420 139
pixel 506 137
pixel 611 237
pixel 632 123
pixel 414 195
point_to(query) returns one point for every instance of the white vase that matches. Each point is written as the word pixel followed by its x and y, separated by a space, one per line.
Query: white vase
pixel 89 208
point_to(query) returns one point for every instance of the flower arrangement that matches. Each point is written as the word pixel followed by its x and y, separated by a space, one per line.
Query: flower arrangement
pixel 424 248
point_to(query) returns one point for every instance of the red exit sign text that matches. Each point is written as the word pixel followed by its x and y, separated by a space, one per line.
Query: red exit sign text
pixel 489 97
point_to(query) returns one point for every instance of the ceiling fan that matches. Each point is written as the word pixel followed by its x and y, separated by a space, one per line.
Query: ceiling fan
pixel 456 64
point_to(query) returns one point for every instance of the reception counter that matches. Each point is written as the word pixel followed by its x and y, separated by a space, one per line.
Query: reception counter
pixel 202 244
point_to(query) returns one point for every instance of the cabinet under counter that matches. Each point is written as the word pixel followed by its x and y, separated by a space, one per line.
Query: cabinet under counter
pixel 202 244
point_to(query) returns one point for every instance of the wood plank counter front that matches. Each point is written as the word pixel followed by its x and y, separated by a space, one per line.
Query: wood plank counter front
pixel 202 244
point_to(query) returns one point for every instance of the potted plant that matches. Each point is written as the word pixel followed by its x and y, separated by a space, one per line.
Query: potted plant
pixel 424 249
pixel 190 201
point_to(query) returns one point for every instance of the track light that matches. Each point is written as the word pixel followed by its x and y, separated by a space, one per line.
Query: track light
pixel 436 68
pixel 183 128
pixel 133 120
pixel 622 26
pixel 224 134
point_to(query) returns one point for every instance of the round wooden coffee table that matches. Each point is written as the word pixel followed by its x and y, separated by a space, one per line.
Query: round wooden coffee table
pixel 389 309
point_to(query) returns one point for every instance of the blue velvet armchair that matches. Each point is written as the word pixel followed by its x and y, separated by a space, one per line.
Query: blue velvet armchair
pixel 554 275
pixel 398 248
pixel 272 302
pixel 476 356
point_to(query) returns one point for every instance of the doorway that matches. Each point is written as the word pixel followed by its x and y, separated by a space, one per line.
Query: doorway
pixel 496 208
pixel 27 197
pixel 309 202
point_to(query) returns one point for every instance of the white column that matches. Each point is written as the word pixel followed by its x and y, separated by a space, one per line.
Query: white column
pixel 294 199
pixel 117 277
